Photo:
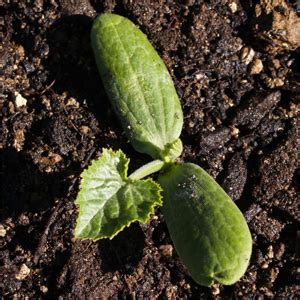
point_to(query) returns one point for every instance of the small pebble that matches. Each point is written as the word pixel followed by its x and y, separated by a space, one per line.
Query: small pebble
pixel 19 139
pixel 270 252
pixel 23 273
pixel 274 82
pixel 170 292
pixel 256 66
pixel 215 289
pixel 85 129
pixel 72 102
pixel 20 101
pixel 234 131
pixel 233 7
pixel 273 274
pixel 23 220
pixel 279 253
pixel 247 54
pixel 21 51
pixel 2 231
pixel 46 102
pixel 278 82
pixel 276 63
pixel 167 250
pixel 43 289
pixel 186 286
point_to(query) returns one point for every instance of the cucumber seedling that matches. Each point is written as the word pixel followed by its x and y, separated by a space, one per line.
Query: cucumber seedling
pixel 209 232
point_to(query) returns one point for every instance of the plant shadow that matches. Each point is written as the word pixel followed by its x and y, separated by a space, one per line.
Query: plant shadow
pixel 24 188
pixel 71 65
pixel 124 251
pixel 72 69
pixel 27 196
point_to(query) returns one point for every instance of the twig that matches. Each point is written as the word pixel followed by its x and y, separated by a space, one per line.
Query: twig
pixel 43 240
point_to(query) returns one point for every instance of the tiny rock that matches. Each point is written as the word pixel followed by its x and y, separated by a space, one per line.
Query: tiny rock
pixel 247 54
pixel 19 139
pixel 170 292
pixel 264 265
pixel 273 82
pixel 278 82
pixel 46 102
pixel 84 129
pixel 11 107
pixel 21 52
pixel 273 274
pixel 50 160
pixel 54 158
pixel 276 63
pixel 23 273
pixel 233 7
pixel 2 231
pixel 234 131
pixel 167 250
pixel 256 66
pixel 72 102
pixel 43 289
pixel 215 290
pixel 20 100
pixel 23 220
pixel 279 253
pixel 270 252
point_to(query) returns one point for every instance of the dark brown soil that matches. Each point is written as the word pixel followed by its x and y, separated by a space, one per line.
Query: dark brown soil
pixel 241 103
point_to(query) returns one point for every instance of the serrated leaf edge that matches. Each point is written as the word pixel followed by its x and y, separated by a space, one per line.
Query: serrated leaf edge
pixel 93 165
pixel 156 203
pixel 159 202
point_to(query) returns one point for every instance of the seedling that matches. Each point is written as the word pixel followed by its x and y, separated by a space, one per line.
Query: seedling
pixel 209 232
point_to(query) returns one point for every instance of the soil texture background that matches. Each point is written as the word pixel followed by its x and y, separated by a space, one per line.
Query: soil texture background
pixel 235 65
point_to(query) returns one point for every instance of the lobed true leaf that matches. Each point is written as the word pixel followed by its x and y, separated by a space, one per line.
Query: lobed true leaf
pixel 109 200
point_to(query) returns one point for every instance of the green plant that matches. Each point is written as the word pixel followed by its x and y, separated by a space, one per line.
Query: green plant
pixel 209 232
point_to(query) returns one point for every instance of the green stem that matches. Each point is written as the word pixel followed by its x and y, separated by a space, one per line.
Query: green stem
pixel 150 168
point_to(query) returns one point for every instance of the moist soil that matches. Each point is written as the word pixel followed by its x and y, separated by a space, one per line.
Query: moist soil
pixel 236 75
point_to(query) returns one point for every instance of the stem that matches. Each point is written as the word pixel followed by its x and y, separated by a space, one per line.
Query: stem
pixel 151 167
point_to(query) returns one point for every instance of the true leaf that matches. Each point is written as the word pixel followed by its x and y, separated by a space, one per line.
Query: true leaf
pixel 208 230
pixel 108 200
pixel 139 86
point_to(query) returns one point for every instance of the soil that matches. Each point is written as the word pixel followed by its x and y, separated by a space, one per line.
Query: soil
pixel 237 76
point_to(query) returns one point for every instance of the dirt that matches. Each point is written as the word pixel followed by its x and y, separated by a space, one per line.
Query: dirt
pixel 235 66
